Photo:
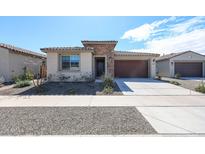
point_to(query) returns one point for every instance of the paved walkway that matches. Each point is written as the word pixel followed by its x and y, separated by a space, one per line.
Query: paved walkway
pixel 146 86
pixel 140 101
pixel 6 87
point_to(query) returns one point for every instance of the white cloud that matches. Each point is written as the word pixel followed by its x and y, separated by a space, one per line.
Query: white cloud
pixel 142 33
pixel 138 34
pixel 194 41
pixel 184 26
pixel 165 37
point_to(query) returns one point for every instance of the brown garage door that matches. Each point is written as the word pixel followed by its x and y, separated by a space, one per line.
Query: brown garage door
pixel 131 68
pixel 189 69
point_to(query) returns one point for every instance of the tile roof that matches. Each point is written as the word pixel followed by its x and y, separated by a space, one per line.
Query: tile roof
pixel 128 53
pixel 21 50
pixel 99 42
pixel 168 56
pixel 67 48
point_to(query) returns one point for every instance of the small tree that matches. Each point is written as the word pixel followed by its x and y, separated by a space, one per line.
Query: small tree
pixel 40 77
pixel 39 80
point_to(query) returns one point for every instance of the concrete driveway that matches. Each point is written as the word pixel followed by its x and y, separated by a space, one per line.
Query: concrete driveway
pixel 175 120
pixel 147 86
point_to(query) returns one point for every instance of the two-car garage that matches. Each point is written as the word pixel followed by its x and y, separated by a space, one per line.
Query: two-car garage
pixel 131 68
pixel 189 69
pixel 134 65
pixel 186 64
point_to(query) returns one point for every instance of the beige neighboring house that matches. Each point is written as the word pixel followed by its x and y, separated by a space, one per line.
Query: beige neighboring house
pixel 14 59
pixel 187 64
pixel 97 58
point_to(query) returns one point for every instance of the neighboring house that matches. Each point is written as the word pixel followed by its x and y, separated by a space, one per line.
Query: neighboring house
pixel 94 59
pixel 14 59
pixel 187 64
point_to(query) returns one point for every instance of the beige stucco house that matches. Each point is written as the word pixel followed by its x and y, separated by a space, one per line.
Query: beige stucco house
pixel 94 59
pixel 187 64
pixel 14 59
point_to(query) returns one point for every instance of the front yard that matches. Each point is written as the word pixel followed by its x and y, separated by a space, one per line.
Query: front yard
pixel 62 88
pixel 188 84
pixel 73 121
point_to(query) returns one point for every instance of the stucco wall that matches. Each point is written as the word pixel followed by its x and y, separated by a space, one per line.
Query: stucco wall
pixel 52 63
pixel 12 64
pixel 187 57
pixel 86 62
pixel 17 62
pixel 152 68
pixel 162 68
pixel 4 65
pixel 56 74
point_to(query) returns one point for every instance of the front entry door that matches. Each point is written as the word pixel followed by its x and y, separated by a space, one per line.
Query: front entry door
pixel 100 66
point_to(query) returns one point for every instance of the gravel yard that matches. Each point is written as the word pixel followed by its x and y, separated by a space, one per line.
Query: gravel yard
pixel 61 88
pixel 189 84
pixel 73 121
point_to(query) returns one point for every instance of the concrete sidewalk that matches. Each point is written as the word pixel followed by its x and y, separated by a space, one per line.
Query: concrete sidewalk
pixel 138 101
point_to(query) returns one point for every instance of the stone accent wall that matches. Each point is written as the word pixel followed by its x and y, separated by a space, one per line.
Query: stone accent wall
pixel 105 49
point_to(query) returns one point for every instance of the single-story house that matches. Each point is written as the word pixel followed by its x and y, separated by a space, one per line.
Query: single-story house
pixel 187 64
pixel 14 59
pixel 97 58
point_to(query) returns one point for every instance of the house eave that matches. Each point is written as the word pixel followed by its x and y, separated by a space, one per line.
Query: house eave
pixel 99 42
pixel 22 51
pixel 67 49
pixel 176 55
pixel 127 53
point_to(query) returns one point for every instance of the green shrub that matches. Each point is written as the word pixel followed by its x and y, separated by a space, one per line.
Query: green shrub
pixel 107 90
pixel 27 75
pixel 175 83
pixel 21 84
pixel 108 85
pixel 108 82
pixel 201 88
pixel 177 76
pixel 16 79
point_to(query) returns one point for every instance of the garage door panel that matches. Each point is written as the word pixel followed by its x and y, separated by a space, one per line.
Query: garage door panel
pixel 131 68
pixel 189 69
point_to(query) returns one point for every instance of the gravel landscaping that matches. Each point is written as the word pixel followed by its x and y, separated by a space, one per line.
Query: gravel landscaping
pixel 73 121
pixel 62 88
pixel 188 84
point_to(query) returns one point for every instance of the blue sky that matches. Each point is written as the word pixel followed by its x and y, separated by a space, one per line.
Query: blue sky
pixel 146 34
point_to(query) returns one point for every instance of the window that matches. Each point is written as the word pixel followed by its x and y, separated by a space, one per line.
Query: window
pixel 65 62
pixel 74 61
pixel 71 62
